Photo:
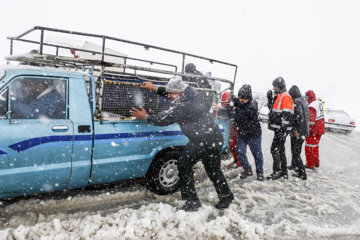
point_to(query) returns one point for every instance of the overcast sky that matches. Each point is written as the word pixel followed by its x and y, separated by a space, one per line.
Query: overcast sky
pixel 314 44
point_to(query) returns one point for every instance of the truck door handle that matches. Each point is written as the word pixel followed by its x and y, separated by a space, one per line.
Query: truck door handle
pixel 60 128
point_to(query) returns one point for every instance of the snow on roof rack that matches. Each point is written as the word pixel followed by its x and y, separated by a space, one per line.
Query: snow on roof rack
pixel 69 62
pixel 42 59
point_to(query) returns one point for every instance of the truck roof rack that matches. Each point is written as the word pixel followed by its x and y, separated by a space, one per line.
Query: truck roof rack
pixel 112 71
pixel 40 58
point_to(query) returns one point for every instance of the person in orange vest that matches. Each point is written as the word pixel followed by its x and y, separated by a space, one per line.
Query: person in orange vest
pixel 280 121
pixel 316 130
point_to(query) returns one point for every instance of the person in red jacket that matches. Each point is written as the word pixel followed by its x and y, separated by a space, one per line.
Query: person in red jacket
pixel 225 102
pixel 316 129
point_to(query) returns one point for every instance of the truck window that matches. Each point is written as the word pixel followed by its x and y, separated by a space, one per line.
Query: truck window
pixel 38 98
pixel 3 103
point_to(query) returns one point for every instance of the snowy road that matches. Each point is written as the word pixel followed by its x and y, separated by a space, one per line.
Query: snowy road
pixel 326 206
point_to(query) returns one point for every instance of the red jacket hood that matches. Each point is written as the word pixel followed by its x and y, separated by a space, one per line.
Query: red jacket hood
pixel 311 95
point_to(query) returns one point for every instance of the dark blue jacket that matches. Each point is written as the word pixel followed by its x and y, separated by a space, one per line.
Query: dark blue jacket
pixel 246 119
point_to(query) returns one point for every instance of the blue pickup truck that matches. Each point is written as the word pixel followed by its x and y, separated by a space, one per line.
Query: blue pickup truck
pixel 64 128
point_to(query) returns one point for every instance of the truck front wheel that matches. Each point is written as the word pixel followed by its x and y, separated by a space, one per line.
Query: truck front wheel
pixel 163 176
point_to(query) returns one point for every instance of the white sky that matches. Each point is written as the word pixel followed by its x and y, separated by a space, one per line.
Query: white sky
pixel 314 44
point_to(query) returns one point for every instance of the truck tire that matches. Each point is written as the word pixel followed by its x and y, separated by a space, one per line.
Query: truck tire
pixel 162 177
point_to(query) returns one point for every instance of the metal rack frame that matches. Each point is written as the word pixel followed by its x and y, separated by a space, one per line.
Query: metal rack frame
pixel 40 58
pixel 104 38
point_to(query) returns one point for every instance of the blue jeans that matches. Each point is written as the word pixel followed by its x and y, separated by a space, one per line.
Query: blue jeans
pixel 255 148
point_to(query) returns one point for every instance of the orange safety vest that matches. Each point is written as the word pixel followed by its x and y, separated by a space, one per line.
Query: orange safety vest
pixel 283 103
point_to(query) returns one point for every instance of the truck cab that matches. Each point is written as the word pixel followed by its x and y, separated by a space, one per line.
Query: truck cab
pixel 67 127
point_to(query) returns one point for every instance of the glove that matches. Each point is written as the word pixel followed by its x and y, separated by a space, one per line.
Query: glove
pixel 269 95
pixel 234 102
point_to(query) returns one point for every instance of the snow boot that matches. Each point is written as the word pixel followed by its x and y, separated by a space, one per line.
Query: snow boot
pixel 247 173
pixel 225 202
pixel 190 205
pixel 301 175
pixel 285 175
pixel 292 168
pixel 260 177
pixel 274 176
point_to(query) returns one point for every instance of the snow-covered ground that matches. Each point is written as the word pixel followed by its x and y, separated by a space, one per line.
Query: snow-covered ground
pixel 326 206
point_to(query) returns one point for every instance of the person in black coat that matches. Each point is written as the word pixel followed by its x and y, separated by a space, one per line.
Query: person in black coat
pixel 300 131
pixel 245 114
pixel 201 80
pixel 205 139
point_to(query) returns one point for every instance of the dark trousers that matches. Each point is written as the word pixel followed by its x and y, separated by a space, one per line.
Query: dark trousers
pixel 296 161
pixel 255 148
pixel 278 152
pixel 210 155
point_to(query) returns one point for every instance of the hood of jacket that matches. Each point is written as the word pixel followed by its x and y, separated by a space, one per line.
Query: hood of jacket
pixel 311 95
pixel 189 94
pixel 294 92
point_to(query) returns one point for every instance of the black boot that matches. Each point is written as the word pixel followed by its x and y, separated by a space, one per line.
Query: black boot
pixel 285 175
pixel 301 175
pixel 247 173
pixel 274 176
pixel 292 167
pixel 190 205
pixel 224 202
pixel 260 177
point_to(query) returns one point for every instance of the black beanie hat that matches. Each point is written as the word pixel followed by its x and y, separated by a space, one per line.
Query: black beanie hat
pixel 190 68
pixel 279 83
pixel 245 92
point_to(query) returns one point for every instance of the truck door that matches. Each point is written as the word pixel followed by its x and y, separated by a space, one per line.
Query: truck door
pixel 36 136
pixel 81 116
pixel 121 150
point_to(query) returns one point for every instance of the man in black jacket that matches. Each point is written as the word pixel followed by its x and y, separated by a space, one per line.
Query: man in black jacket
pixel 190 68
pixel 300 131
pixel 245 114
pixel 205 139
